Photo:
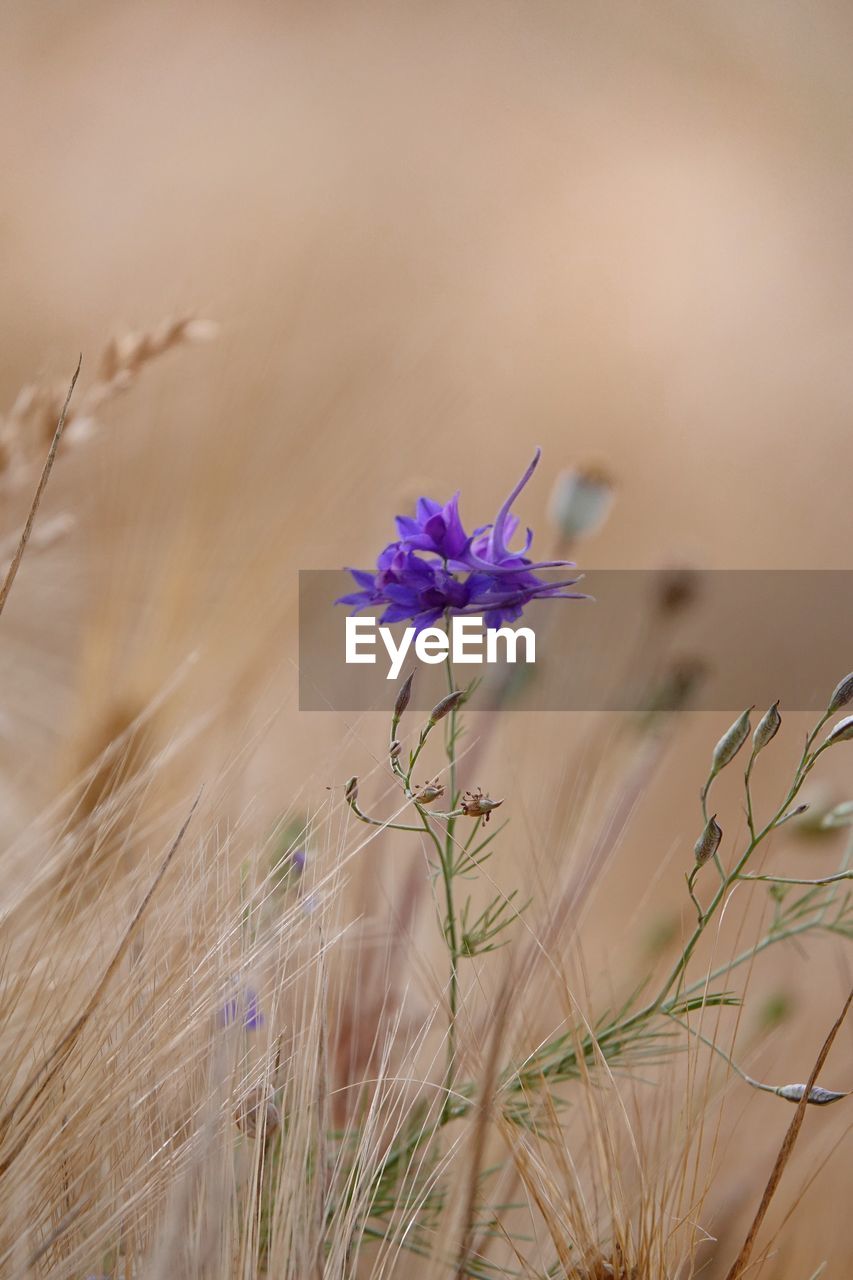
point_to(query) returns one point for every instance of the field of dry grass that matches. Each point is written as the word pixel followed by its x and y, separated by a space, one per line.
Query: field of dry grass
pixel 320 259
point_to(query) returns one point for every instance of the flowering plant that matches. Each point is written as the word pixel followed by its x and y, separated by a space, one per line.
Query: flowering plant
pixel 434 569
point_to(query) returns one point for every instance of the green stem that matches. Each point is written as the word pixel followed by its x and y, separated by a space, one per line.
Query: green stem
pixel 451 929
pixel 804 767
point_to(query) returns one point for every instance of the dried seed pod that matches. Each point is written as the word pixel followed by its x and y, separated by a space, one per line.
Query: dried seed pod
pixel 817 1097
pixel 403 696
pixel 709 841
pixel 430 791
pixel 476 804
pixel 731 742
pixel 842 732
pixel 768 726
pixel 446 705
pixel 841 695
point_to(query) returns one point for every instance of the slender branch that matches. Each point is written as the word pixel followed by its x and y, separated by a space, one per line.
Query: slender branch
pixel 833 879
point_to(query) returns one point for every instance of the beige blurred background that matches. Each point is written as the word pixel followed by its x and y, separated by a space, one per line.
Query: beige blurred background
pixel 433 236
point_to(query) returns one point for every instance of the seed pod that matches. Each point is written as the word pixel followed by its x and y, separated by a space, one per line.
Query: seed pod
pixel 580 502
pixel 842 732
pixel 731 742
pixel 394 749
pixel 351 789
pixel 768 726
pixel 403 697
pixel 430 791
pixel 817 1097
pixel 841 695
pixel 446 705
pixel 709 841
pixel 476 804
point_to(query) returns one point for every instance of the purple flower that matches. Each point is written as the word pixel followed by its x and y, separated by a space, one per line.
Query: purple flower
pixel 243 1005
pixel 435 528
pixel 435 568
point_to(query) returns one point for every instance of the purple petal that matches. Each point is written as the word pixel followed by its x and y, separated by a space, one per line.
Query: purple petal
pixel 497 547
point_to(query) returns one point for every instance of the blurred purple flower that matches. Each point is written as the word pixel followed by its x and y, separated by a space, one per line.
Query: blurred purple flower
pixel 242 1005
pixel 299 857
pixel 436 568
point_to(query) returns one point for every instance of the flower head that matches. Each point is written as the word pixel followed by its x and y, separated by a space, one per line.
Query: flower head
pixel 435 569
pixel 435 528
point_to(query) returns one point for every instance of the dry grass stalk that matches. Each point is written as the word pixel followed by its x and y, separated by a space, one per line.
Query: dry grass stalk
pixel 11 572
pixel 31 421
pixel 741 1262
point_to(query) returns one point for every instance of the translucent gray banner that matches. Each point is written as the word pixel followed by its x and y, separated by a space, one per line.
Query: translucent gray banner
pixel 717 640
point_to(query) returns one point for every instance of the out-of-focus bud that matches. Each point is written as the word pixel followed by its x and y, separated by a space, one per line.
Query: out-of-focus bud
pixel 841 695
pixel 817 1097
pixel 403 697
pixel 768 726
pixel 580 502
pixel 709 841
pixel 677 588
pixel 678 685
pixel 446 705
pixel 351 789
pixel 842 732
pixel 394 749
pixel 840 816
pixel 258 1111
pixel 731 742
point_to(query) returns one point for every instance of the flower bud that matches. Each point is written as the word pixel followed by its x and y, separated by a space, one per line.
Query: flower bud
pixel 709 841
pixel 580 502
pixel 842 694
pixel 842 732
pixel 446 705
pixel 731 742
pixel 394 749
pixel 403 697
pixel 792 813
pixel 817 1096
pixel 768 726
